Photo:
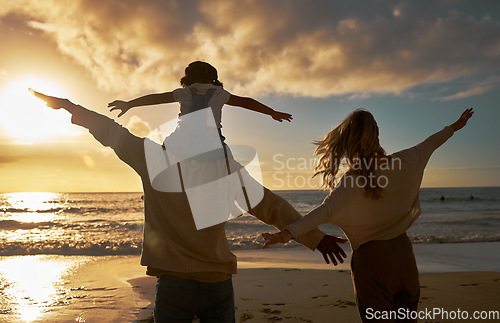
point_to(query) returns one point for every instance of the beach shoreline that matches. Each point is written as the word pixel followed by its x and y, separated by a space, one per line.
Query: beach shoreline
pixel 295 285
pixel 283 284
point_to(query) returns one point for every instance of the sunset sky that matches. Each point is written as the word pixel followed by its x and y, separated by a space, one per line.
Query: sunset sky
pixel 416 65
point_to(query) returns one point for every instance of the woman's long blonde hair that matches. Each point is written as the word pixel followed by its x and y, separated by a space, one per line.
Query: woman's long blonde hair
pixel 354 142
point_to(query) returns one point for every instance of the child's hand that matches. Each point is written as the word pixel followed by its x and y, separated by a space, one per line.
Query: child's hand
pixel 280 116
pixel 119 105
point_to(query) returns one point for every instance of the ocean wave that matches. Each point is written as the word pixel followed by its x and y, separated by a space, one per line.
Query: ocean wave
pixel 465 238
pixel 16 225
pixel 134 246
pixel 103 248
pixel 76 210
pixel 96 225
pixel 112 224
pixel 481 221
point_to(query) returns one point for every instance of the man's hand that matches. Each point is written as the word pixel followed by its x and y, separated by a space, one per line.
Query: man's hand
pixel 280 116
pixel 462 121
pixel 329 248
pixel 280 237
pixel 52 101
pixel 119 105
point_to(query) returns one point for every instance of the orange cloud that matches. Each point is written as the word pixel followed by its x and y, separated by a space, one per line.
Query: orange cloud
pixel 138 127
pixel 314 48
pixel 473 90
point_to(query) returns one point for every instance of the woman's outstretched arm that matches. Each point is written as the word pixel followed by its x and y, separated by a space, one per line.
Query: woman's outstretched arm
pixel 150 99
pixel 462 121
pixel 425 149
pixel 254 105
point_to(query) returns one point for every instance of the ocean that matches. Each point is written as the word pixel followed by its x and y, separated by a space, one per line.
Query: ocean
pixel 99 224
pixel 54 246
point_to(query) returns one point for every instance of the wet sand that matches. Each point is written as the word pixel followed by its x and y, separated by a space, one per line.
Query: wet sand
pixel 278 284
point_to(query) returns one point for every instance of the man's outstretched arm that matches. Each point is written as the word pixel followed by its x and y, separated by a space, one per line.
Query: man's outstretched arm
pixel 128 148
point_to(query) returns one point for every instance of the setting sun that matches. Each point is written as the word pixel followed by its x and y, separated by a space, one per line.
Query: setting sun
pixel 26 118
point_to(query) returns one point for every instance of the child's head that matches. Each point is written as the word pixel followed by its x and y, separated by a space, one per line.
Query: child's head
pixel 200 72
pixel 356 141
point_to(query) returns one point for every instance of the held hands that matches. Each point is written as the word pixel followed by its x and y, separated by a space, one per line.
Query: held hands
pixel 327 246
pixel 280 237
pixel 52 101
pixel 462 121
pixel 280 116
pixel 119 105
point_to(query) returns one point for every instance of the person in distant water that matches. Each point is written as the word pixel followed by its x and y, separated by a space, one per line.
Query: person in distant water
pixel 194 267
pixel 374 203
pixel 471 197
pixel 442 198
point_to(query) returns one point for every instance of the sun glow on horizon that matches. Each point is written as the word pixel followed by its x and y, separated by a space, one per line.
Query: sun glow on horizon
pixel 26 119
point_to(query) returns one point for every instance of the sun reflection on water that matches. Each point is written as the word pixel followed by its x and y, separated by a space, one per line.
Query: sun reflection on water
pixel 31 201
pixel 30 285
pixel 30 206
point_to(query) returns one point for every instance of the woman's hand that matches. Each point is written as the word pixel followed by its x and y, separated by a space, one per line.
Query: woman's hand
pixel 119 105
pixel 280 116
pixel 328 246
pixel 462 121
pixel 280 237
pixel 53 102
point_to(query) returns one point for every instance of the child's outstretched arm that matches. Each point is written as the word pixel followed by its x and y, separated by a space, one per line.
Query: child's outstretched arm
pixel 254 105
pixel 150 99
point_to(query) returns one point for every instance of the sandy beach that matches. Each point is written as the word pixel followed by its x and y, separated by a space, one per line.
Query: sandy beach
pixel 65 276
pixel 286 285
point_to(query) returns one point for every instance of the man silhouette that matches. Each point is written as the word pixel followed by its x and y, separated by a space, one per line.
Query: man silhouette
pixel 194 267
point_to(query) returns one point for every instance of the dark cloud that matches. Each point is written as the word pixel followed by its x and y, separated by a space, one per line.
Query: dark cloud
pixel 473 89
pixel 307 48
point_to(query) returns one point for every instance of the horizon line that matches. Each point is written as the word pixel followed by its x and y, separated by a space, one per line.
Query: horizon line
pixel 280 190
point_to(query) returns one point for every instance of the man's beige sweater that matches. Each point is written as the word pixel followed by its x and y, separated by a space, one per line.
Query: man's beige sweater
pixel 171 242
